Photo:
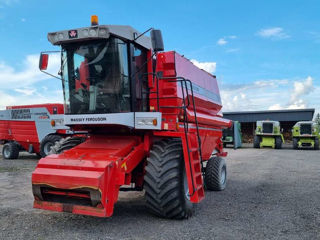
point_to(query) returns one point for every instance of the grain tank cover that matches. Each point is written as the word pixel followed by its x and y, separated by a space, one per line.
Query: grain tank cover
pixel 205 86
pixel 204 83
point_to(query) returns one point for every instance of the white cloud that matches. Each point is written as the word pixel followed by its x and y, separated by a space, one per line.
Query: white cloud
pixel 6 100
pixel 301 88
pixel 234 101
pixel 29 74
pixel 37 97
pixel 20 87
pixel 26 91
pixel 274 94
pixel 275 33
pixel 270 83
pixel 232 50
pixel 299 104
pixel 259 84
pixel 207 66
pixel 222 41
pixel 276 106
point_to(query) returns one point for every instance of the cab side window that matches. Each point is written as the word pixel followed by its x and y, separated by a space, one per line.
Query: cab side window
pixel 141 79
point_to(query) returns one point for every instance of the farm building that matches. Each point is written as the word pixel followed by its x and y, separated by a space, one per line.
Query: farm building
pixel 287 119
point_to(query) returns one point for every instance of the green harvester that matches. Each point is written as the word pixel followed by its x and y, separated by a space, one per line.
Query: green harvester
pixel 268 134
pixel 305 134
pixel 232 135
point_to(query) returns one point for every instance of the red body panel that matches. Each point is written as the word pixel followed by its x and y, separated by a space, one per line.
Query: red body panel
pixel 25 132
pixel 205 90
pixel 99 164
pixel 103 163
pixel 4 130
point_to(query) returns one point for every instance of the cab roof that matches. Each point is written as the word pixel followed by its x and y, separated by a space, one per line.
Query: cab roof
pixel 99 32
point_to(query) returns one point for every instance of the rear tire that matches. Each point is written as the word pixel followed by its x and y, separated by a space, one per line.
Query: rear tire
pixel 65 144
pixel 316 143
pixel 47 143
pixel 216 174
pixel 10 150
pixel 278 143
pixel 295 143
pixel 256 141
pixel 165 180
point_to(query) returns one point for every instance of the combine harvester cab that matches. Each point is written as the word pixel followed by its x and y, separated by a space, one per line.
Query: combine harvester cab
pixel 153 123
pixel 305 134
pixel 268 134
pixel 32 128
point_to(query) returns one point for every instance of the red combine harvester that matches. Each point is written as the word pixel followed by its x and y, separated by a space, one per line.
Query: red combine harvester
pixel 152 119
pixel 29 128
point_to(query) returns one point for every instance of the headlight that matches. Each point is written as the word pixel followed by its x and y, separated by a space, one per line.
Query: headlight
pixel 102 32
pixel 60 36
pixel 147 121
pixel 57 122
pixel 85 32
pixel 92 32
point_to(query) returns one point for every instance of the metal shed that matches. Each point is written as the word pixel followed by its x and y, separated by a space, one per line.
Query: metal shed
pixel 287 119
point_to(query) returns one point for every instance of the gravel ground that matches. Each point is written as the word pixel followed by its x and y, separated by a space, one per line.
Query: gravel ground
pixel 271 194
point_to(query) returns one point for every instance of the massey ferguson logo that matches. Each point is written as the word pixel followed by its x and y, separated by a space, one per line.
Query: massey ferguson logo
pixel 73 34
pixel 89 119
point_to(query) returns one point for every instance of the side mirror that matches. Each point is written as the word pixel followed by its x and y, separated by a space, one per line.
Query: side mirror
pixel 156 40
pixel 43 62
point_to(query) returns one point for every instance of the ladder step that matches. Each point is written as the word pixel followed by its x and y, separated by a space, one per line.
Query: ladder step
pixel 197 166
pixel 199 174
pixel 193 149
pixel 199 188
pixel 196 160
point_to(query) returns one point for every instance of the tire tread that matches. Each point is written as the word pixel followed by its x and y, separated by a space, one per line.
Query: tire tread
pixel 163 180
pixel 212 174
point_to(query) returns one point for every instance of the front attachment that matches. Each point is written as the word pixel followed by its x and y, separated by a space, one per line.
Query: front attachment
pixel 85 179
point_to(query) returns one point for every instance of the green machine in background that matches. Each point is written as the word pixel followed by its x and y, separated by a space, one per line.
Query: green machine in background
pixel 268 134
pixel 305 134
pixel 232 135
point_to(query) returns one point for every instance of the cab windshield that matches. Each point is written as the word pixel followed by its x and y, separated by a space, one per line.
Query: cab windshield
pixel 95 77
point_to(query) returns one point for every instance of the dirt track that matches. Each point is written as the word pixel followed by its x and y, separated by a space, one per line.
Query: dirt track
pixel 271 194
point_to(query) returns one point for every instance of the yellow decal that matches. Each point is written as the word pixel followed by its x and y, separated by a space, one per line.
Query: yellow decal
pixel 124 165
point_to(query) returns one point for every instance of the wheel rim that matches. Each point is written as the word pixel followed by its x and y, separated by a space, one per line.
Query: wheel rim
pixel 6 152
pixel 186 187
pixel 47 147
pixel 223 175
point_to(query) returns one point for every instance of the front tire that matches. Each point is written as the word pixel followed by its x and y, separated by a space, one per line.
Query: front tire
pixel 216 174
pixel 47 143
pixel 10 150
pixel 316 143
pixel 66 143
pixel 256 141
pixel 165 181
pixel 295 143
pixel 278 143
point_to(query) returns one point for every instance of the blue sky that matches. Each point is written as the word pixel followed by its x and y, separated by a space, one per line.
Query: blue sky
pixel 266 54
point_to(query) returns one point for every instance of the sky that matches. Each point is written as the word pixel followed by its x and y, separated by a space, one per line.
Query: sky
pixel 265 54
